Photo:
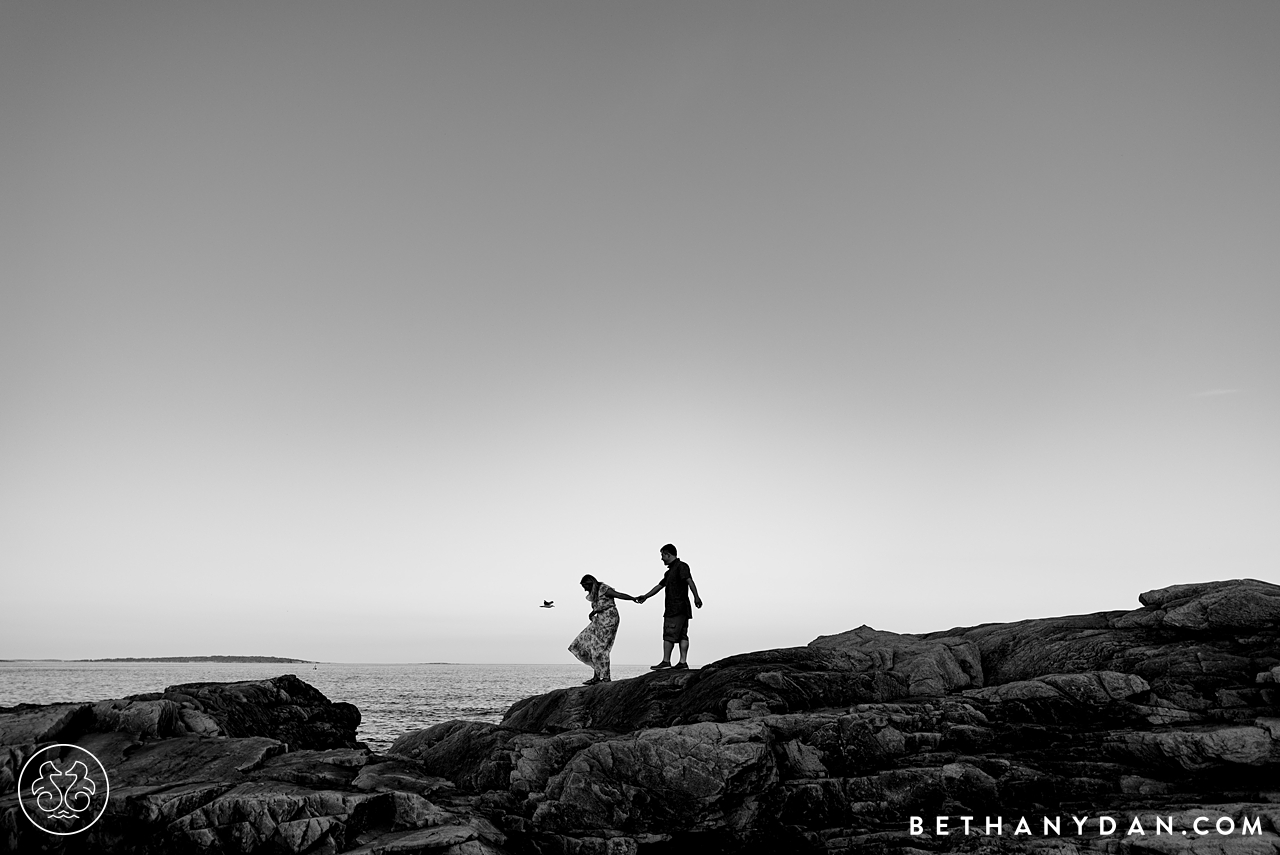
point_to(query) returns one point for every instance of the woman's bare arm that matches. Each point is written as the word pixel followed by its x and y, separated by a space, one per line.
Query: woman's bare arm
pixel 656 589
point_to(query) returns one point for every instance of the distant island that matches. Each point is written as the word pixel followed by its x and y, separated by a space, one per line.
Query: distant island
pixel 198 659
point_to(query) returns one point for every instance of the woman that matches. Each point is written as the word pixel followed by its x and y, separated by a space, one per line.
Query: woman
pixel 593 644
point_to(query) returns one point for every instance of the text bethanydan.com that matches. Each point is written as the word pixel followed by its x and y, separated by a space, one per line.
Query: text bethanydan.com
pixel 1081 826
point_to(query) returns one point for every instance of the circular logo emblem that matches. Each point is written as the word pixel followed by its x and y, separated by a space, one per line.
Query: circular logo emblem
pixel 63 789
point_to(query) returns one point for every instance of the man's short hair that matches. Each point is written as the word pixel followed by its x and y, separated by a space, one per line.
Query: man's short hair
pixel 669 549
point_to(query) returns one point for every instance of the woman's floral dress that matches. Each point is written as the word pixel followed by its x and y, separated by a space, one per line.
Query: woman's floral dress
pixel 593 644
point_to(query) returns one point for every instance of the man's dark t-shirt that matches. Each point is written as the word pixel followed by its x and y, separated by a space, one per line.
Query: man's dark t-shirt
pixel 676 582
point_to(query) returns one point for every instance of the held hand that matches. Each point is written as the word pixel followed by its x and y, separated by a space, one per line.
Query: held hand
pixel 640 599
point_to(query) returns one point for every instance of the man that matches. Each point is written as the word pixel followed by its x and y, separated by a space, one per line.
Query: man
pixel 675 620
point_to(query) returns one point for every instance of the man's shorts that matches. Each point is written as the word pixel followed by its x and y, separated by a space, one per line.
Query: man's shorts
pixel 675 629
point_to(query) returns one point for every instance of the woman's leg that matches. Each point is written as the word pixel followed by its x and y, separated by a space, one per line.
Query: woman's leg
pixel 606 647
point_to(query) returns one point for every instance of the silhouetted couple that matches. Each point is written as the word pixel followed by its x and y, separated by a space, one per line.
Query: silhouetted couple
pixel 593 644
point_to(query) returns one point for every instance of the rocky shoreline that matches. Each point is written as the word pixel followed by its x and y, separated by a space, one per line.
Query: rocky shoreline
pixel 1163 720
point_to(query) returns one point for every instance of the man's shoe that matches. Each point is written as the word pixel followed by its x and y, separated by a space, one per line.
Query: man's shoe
pixel 591 682
pixel 680 666
pixel 660 666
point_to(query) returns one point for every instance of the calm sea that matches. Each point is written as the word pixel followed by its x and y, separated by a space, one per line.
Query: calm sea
pixel 393 699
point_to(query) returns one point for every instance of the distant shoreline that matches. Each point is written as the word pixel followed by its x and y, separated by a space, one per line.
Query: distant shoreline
pixel 276 659
pixel 284 660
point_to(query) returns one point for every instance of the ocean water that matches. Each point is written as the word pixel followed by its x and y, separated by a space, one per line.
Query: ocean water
pixel 393 699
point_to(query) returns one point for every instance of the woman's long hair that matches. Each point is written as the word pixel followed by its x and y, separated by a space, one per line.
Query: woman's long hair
pixel 590 582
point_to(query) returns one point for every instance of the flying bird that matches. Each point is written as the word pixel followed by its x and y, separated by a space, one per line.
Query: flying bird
pixel 548 604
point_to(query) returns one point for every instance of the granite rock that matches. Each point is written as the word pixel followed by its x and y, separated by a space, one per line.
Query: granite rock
pixel 928 666
pixel 283 708
pixel 1171 709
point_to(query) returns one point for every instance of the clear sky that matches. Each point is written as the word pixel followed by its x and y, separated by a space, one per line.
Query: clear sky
pixel 352 331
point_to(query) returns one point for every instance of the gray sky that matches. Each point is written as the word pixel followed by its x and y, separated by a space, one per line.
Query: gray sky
pixel 353 331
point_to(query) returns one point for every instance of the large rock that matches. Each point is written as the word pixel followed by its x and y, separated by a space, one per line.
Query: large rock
pixel 177 789
pixel 652 701
pixel 929 666
pixel 32 723
pixel 695 778
pixel 1202 747
pixel 1189 641
pixel 1173 707
pixel 749 685
pixel 283 817
pixel 1096 688
pixel 26 726
pixel 469 753
pixel 283 708
pixel 186 760
pixel 152 719
pixel 1232 605
pixel 1029 649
